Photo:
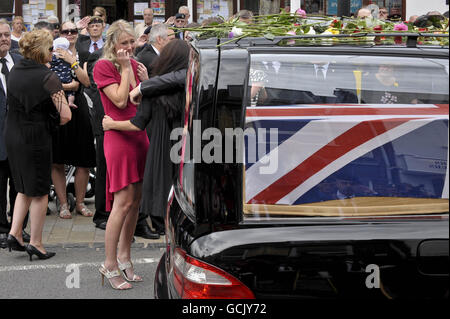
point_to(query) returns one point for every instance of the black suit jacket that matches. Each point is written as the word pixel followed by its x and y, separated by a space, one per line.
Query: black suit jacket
pixel 164 84
pixel 147 56
pixel 92 91
pixel 3 111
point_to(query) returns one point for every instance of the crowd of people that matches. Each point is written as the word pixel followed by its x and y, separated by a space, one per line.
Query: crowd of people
pixel 49 76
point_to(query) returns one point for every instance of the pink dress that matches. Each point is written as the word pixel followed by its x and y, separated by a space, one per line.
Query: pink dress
pixel 125 152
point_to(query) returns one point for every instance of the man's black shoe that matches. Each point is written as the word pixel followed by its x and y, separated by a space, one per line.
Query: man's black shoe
pixel 145 232
pixel 101 225
pixel 161 232
pixel 26 237
pixel 3 241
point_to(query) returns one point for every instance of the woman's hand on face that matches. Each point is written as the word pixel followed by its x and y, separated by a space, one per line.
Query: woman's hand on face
pixel 142 72
pixel 123 58
pixel 135 95
pixel 66 56
pixel 107 122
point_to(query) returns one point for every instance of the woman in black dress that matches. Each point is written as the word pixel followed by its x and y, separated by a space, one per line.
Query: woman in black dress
pixel 73 144
pixel 36 102
pixel 163 113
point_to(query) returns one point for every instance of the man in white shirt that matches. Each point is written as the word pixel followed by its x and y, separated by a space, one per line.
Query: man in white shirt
pixel 148 21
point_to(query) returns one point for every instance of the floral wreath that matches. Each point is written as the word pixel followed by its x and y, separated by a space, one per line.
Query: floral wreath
pixel 299 24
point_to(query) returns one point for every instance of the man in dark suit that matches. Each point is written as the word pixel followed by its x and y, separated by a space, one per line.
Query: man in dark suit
pixel 7 61
pixel 159 36
pixel 88 44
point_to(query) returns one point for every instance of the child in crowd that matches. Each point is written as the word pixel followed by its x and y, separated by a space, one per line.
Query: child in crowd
pixel 62 68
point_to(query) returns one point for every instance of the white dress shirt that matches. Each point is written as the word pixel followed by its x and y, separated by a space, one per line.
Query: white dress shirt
pixel 9 64
pixel 99 42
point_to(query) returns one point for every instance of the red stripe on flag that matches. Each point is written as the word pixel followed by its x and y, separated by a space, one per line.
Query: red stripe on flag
pixel 442 109
pixel 341 145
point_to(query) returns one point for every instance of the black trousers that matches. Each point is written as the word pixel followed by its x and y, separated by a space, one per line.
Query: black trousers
pixel 5 176
pixel 101 215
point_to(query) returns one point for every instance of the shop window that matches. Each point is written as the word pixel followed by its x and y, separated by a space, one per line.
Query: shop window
pixel 314 6
pixel 212 8
pixel 262 7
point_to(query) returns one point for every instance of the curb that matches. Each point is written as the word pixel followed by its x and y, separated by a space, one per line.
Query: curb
pixel 102 245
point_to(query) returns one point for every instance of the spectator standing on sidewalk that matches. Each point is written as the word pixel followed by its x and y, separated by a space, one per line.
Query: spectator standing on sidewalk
pixel 115 74
pixel 73 144
pixel 35 96
pixel 7 61
pixel 163 113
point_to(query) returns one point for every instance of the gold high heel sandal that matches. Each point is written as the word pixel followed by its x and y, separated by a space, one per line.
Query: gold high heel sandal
pixel 112 274
pixel 124 267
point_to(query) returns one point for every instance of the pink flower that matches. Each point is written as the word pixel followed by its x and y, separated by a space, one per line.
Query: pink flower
pixel 401 27
pixel 292 32
pixel 300 12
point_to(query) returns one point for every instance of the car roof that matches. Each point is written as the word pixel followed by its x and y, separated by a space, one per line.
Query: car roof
pixel 344 42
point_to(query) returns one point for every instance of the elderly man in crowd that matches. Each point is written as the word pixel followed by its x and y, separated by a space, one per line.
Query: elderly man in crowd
pixel 148 22
pixel 159 36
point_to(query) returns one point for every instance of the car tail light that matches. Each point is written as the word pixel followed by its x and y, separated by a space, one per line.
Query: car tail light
pixel 194 279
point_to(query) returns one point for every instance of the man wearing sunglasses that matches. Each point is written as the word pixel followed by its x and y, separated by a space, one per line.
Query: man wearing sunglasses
pixel 89 44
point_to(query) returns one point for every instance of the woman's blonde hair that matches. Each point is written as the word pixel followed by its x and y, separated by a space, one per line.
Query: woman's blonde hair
pixel 35 45
pixel 100 10
pixel 21 20
pixel 112 38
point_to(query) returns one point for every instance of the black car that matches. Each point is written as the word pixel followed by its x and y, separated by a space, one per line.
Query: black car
pixel 310 171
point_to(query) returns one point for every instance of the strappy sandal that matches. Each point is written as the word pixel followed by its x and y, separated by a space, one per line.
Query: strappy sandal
pixel 124 267
pixel 112 274
pixel 64 212
pixel 86 212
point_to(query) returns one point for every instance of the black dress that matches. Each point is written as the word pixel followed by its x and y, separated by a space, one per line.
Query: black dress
pixel 73 143
pixel 28 127
pixel 163 113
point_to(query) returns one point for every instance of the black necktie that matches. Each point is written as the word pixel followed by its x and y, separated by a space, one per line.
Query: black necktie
pixel 95 46
pixel 5 69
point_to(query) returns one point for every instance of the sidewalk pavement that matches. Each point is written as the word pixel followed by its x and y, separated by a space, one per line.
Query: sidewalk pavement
pixel 81 231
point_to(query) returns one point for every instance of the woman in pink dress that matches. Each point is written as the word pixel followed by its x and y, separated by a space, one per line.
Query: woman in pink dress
pixel 116 74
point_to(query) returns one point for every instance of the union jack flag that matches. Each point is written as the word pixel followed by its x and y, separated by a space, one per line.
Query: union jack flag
pixel 386 149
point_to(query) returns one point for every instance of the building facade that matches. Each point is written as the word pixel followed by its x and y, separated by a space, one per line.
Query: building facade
pixel 131 10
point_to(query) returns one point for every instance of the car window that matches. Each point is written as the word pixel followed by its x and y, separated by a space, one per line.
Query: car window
pixel 346 136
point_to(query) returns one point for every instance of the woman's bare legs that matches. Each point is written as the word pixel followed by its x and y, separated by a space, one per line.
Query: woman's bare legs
pixel 21 206
pixel 59 181
pixel 127 233
pixel 123 203
pixel 38 210
pixel 81 182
